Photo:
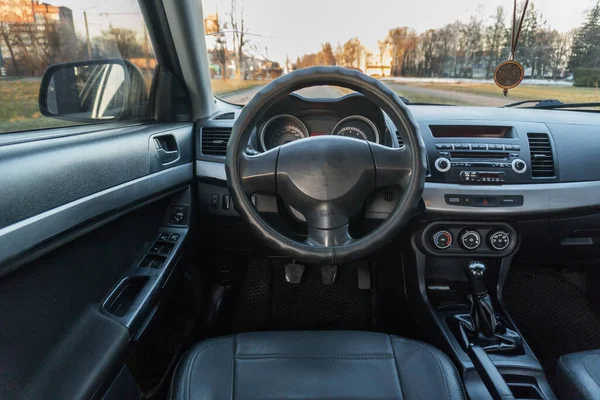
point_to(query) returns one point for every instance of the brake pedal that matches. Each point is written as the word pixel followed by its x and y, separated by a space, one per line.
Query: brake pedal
pixel 328 274
pixel 293 273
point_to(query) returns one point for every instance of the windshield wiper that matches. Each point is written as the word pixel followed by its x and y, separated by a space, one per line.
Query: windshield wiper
pixel 545 103
pixel 550 104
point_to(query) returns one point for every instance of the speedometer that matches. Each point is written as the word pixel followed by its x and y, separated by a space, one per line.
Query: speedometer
pixel 357 127
pixel 281 129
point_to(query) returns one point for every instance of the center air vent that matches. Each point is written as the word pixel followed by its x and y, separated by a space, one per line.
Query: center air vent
pixel 542 159
pixel 214 141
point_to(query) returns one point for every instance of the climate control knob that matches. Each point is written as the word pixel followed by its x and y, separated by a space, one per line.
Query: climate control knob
pixel 442 164
pixel 499 240
pixel 442 239
pixel 470 240
pixel 519 166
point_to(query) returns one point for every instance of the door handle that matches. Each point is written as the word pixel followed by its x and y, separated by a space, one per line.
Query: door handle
pixel 166 147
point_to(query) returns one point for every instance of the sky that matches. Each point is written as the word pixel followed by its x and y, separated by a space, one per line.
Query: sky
pixel 295 27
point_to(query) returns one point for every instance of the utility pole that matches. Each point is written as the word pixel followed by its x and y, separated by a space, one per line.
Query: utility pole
pixel 87 33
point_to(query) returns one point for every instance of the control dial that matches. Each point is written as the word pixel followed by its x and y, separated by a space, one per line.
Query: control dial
pixel 519 166
pixel 442 164
pixel 442 239
pixel 470 240
pixel 499 240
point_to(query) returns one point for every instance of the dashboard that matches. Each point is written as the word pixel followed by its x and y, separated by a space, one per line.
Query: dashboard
pixel 483 162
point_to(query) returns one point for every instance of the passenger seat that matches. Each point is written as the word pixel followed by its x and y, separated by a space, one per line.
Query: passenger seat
pixel 578 375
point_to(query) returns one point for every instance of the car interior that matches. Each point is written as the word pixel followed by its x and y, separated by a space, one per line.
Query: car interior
pixel 168 244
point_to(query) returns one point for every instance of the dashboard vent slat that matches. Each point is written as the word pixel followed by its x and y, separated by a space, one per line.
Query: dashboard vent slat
pixel 214 141
pixel 542 158
pixel 400 142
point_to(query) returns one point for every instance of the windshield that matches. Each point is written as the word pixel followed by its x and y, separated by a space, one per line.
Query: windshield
pixel 430 51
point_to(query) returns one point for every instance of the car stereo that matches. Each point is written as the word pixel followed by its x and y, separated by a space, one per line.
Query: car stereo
pixel 464 162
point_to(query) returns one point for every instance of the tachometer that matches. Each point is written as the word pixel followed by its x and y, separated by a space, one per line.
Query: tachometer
pixel 281 129
pixel 357 127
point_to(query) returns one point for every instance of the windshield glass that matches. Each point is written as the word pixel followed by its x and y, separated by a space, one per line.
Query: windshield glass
pixel 430 51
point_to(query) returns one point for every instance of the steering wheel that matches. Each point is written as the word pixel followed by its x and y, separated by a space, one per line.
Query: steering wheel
pixel 326 178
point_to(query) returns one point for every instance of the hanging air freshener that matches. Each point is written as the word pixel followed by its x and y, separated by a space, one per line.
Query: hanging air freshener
pixel 509 74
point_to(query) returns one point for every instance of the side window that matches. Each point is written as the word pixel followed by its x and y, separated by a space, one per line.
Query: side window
pixel 86 61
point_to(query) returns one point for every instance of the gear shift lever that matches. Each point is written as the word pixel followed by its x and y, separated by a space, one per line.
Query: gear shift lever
pixel 482 327
pixel 475 273
pixel 483 317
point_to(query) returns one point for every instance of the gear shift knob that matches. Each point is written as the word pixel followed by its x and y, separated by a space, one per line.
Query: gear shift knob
pixel 475 273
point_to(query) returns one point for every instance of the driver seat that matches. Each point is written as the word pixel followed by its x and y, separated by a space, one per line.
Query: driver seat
pixel 315 365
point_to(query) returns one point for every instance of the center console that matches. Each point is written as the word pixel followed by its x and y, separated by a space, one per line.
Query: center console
pixel 455 286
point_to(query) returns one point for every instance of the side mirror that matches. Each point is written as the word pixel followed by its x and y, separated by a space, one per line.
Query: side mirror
pixel 93 90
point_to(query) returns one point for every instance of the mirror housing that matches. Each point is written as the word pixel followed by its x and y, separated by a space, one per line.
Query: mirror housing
pixel 93 91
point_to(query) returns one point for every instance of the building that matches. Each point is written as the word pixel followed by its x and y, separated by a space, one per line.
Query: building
pixel 33 35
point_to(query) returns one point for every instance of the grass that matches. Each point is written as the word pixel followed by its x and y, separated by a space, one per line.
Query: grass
pixel 221 87
pixel 566 94
pixel 19 107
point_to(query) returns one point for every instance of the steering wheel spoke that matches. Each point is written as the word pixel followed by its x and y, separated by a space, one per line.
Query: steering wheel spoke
pixel 393 166
pixel 258 172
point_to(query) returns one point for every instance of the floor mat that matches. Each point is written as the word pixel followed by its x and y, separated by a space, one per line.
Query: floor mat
pixel 268 302
pixel 552 313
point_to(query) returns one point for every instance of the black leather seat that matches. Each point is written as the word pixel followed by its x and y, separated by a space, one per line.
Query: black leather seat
pixel 578 375
pixel 315 365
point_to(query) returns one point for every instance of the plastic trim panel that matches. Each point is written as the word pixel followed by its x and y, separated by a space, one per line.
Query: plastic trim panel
pixel 24 235
pixel 538 197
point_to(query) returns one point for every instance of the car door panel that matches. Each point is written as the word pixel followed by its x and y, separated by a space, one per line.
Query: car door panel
pixel 78 214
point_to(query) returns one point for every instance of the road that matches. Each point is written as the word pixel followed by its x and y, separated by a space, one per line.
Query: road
pixel 243 96
pixel 412 92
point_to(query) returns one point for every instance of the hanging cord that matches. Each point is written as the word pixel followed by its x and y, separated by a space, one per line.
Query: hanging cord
pixel 516 31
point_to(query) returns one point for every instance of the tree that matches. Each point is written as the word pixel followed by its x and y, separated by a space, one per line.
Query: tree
pixel 326 56
pixel 352 52
pixel 494 37
pixel 562 44
pixel 586 51
pixel 401 40
pixel 124 41
pixel 221 52
pixel 240 40
pixel 382 45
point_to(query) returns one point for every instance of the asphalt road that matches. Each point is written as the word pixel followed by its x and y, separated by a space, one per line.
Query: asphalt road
pixel 408 91
pixel 327 92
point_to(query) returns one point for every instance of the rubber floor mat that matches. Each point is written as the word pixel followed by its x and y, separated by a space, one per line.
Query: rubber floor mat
pixel 268 302
pixel 552 313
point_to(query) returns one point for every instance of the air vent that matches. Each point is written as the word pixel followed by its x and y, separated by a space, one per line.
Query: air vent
pixel 389 196
pixel 542 160
pixel 229 115
pixel 214 141
pixel 400 142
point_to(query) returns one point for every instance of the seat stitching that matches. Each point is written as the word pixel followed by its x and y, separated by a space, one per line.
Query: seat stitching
pixel 396 367
pixel 315 356
pixel 578 384
pixel 437 362
pixel 192 361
